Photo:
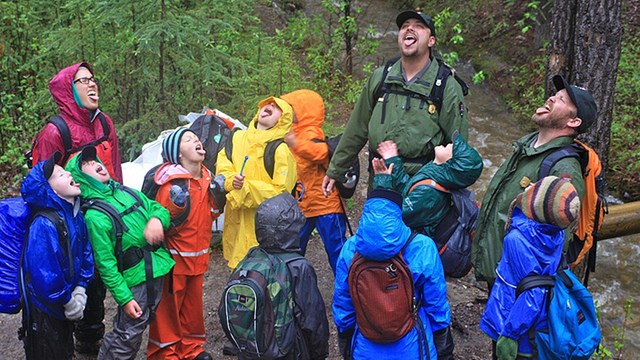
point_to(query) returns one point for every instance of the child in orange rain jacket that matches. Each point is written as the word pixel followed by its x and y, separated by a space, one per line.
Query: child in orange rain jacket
pixel 184 184
pixel 307 142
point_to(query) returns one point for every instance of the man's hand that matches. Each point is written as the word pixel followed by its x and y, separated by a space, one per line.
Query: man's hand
pixel 153 232
pixel 327 185
pixel 132 309
pixel 387 149
pixel 238 181
pixel 379 167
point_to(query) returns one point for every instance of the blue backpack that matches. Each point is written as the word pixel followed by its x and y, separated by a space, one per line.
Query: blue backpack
pixel 15 219
pixel 573 330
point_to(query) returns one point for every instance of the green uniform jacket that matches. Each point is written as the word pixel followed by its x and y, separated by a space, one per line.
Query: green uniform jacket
pixel 103 240
pixel 505 185
pixel 425 207
pixel 408 121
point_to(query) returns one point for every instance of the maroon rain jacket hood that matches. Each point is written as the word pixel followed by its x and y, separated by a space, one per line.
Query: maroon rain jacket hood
pixel 84 125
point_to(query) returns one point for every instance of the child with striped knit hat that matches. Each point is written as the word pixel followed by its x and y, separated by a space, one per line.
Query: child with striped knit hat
pixel 186 190
pixel 533 245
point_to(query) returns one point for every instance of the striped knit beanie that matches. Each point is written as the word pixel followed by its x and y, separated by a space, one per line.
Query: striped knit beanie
pixel 171 146
pixel 551 200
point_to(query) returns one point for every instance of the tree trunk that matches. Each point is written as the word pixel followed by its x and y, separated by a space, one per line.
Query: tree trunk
pixel 585 48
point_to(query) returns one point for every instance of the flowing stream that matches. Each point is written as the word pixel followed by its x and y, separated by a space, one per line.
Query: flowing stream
pixel 492 129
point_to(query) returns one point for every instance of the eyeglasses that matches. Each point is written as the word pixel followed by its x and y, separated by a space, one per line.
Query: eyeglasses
pixel 85 80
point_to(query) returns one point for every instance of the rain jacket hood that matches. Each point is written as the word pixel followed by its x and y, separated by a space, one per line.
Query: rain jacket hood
pixel 280 129
pixel 311 152
pixel 278 224
pixel 61 88
pixel 308 107
pixel 91 188
pixel 381 233
pixel 37 192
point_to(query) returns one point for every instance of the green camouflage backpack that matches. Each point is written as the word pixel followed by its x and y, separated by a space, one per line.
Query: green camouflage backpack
pixel 256 309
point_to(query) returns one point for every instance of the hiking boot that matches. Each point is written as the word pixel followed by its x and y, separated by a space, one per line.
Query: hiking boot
pixel 204 356
pixel 87 348
pixel 229 348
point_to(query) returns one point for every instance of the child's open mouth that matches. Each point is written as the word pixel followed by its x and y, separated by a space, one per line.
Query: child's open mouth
pixel 200 150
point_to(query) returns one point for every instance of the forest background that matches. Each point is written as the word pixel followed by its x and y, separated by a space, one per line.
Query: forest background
pixel 158 59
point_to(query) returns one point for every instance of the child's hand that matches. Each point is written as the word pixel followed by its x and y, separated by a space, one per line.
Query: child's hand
pixel 290 139
pixel 153 232
pixel 379 167
pixel 132 309
pixel 238 181
pixel 387 149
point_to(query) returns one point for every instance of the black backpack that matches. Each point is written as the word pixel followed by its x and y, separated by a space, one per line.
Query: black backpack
pixel 213 133
pixel 454 234
pixel 65 134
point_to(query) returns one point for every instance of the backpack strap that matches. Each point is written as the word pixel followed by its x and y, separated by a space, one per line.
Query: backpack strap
pixel 65 135
pixel 228 147
pixel 184 214
pixel 437 90
pixel 63 231
pixel 532 281
pixel 270 155
pixel 553 157
pixel 430 183
pixel 119 227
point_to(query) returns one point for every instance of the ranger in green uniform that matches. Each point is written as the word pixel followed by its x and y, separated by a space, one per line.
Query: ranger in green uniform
pixel 565 115
pixel 403 107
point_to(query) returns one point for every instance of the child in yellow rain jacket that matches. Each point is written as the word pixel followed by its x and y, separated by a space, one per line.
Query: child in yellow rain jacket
pixel 247 180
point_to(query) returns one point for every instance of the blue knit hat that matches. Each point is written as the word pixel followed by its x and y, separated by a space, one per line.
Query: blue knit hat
pixel 171 146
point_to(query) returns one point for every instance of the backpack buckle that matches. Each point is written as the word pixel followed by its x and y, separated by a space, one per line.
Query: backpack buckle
pixel 391 270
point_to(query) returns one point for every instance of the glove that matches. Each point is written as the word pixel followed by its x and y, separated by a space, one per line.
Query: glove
pixel 506 348
pixel 178 195
pixel 443 341
pixel 80 294
pixel 344 343
pixel 73 309
pixel 217 191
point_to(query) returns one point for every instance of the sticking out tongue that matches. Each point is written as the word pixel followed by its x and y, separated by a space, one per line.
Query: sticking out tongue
pixel 541 110
pixel 409 41
pixel 201 151
pixel 94 97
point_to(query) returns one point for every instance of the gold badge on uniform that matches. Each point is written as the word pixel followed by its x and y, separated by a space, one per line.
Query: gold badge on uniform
pixel 524 182
pixel 432 109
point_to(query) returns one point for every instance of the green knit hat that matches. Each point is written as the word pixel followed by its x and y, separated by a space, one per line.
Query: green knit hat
pixel 551 200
